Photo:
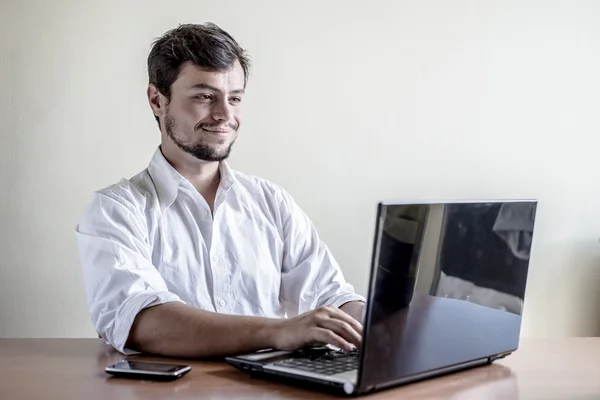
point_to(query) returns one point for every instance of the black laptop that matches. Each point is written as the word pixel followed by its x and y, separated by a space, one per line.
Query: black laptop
pixel 446 293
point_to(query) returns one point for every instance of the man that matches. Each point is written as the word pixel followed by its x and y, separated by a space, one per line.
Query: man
pixel 191 259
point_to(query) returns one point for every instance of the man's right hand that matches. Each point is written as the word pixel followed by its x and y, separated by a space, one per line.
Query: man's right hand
pixel 325 325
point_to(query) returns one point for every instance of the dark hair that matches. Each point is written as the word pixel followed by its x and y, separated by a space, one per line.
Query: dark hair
pixel 206 46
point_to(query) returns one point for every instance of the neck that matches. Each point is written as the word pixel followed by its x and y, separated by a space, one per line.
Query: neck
pixel 203 175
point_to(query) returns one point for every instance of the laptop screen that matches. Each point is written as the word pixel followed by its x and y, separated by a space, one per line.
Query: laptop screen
pixel 447 286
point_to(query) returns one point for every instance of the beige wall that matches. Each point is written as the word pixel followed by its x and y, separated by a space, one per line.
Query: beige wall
pixel 350 102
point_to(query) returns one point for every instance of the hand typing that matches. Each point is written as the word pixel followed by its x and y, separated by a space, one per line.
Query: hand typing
pixel 325 325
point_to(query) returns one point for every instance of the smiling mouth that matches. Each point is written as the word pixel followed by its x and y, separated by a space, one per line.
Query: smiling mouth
pixel 219 131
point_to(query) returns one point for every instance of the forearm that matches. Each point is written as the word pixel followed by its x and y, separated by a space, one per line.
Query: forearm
pixel 178 330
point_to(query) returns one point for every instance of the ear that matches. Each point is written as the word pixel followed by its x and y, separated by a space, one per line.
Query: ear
pixel 156 100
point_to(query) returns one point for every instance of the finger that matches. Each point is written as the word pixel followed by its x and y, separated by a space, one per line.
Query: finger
pixel 340 314
pixel 328 337
pixel 343 329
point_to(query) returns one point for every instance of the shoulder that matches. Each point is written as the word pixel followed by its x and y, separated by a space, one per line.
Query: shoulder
pixel 269 196
pixel 133 196
pixel 258 186
pixel 136 191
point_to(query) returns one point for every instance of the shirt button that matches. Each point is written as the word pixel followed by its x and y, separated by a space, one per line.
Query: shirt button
pixel 222 303
pixel 215 258
pixel 206 213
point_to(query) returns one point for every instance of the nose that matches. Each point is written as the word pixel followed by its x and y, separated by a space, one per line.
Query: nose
pixel 222 111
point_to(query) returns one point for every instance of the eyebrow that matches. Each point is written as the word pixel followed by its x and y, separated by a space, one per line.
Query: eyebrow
pixel 209 87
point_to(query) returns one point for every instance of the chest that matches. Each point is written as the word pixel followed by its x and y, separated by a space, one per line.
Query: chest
pixel 234 254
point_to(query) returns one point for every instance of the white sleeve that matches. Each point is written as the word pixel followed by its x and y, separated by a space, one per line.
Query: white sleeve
pixel 118 274
pixel 311 276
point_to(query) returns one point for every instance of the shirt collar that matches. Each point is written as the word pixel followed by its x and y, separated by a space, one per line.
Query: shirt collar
pixel 227 176
pixel 167 180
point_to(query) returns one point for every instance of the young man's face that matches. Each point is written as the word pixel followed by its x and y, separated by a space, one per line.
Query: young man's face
pixel 204 113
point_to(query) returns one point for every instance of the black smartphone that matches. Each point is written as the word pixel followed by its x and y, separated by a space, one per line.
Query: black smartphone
pixel 148 370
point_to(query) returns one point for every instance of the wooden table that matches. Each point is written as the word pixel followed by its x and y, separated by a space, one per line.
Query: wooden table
pixel 74 369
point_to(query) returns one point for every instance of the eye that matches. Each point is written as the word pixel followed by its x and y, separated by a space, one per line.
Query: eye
pixel 235 100
pixel 203 97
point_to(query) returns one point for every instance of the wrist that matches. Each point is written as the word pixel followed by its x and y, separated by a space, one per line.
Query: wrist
pixel 355 309
pixel 269 335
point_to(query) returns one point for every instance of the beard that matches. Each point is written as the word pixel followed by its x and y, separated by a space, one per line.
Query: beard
pixel 199 150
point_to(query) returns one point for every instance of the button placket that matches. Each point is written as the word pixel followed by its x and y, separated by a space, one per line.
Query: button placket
pixel 220 281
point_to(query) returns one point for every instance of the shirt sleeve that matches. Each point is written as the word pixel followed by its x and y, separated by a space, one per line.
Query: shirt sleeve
pixel 311 277
pixel 118 274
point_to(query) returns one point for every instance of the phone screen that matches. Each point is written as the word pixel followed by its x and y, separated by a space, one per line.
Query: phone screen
pixel 147 366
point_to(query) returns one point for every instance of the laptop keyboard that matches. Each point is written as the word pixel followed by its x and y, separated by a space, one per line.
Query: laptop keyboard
pixel 331 363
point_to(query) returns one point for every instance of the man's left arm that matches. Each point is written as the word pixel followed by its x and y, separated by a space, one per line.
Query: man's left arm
pixel 311 277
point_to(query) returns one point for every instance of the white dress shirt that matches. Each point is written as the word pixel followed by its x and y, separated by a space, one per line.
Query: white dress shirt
pixel 152 239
